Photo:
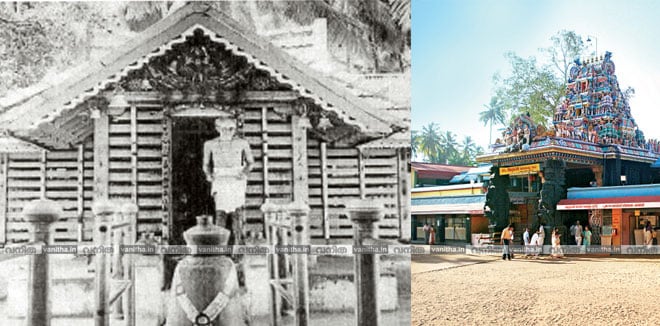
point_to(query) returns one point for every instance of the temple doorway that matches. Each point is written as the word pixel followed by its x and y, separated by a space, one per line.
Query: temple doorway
pixel 190 190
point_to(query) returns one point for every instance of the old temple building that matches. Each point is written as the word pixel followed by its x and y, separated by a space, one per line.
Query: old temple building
pixel 593 151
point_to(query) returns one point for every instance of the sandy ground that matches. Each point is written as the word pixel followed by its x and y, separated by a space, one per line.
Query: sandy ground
pixel 484 290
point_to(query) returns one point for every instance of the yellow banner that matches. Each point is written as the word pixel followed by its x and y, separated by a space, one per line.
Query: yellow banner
pixel 521 169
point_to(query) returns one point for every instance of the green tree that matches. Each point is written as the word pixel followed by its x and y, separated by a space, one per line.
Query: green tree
pixel 449 148
pixel 494 113
pixel 430 142
pixel 468 151
pixel 537 87
pixel 415 140
pixel 566 47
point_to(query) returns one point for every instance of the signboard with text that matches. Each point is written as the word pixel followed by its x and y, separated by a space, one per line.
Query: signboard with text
pixel 520 169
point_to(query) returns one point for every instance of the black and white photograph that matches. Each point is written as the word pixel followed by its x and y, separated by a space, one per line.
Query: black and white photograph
pixel 205 163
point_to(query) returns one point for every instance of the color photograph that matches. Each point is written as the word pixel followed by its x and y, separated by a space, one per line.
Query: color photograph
pixel 535 171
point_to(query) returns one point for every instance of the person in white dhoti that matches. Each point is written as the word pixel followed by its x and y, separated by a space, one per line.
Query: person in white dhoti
pixel 227 162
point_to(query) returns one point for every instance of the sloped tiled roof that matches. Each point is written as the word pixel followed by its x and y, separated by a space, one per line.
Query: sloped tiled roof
pixel 22 117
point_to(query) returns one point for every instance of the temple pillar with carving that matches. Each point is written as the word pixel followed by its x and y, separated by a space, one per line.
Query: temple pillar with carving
pixel 553 181
pixel 598 174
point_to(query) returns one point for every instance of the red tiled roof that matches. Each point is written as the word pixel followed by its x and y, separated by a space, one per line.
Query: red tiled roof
pixel 437 171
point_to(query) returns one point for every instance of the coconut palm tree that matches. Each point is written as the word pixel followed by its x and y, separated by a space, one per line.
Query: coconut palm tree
pixel 449 145
pixel 494 113
pixel 430 142
pixel 468 151
pixel 415 140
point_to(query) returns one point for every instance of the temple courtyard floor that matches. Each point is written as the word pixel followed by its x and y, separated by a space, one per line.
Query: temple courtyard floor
pixel 485 290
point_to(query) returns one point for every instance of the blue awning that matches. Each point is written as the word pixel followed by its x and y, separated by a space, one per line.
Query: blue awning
pixel 656 164
pixel 468 204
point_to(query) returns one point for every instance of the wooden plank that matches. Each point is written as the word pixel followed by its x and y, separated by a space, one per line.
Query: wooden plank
pixel 361 175
pixel 43 174
pixel 80 210
pixel 166 172
pixel 141 153
pixel 324 191
pixel 272 166
pixel 272 189
pixel 134 154
pixel 387 170
pixel 275 128
pixel 272 140
pixel 387 181
pixel 264 151
pixel 145 140
pixel 380 152
pixel 101 156
pixel 143 128
pixel 300 179
pixel 342 152
pixel 141 176
pixel 142 165
pixel 4 160
pixel 142 189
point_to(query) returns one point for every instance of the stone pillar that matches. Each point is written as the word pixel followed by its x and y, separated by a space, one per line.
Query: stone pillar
pixel 364 215
pixel 130 210
pixel 300 229
pixel 103 212
pixel 41 214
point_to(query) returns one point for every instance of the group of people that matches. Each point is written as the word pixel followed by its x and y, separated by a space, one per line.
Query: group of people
pixel 534 243
pixel 429 234
pixel 582 235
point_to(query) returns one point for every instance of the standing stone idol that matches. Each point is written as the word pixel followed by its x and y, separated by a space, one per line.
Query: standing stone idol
pixel 227 162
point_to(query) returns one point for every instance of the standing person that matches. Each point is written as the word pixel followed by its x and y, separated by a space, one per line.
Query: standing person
pixel 507 235
pixel 573 227
pixel 526 241
pixel 227 162
pixel 587 237
pixel 431 235
pixel 535 244
pixel 578 233
pixel 541 237
pixel 648 233
pixel 426 233
pixel 556 244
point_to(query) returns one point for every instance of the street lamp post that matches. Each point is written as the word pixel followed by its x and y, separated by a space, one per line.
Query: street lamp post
pixel 596 42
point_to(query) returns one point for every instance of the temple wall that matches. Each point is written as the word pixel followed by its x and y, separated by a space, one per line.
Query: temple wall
pixel 139 158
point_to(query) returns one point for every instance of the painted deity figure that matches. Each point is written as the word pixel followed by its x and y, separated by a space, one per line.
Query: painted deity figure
pixel 227 162
pixel 527 135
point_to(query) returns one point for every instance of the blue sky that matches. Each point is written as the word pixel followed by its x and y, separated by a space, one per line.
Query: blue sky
pixel 457 46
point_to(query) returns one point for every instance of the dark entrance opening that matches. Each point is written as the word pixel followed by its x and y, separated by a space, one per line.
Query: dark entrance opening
pixel 190 190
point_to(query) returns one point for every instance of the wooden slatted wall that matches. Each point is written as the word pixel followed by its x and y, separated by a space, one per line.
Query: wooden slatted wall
pixel 136 161
pixel 381 182
pixel 267 128
pixel 340 174
pixel 63 176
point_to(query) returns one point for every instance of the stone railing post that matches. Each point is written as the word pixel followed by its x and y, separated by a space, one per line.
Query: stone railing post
pixel 300 231
pixel 41 214
pixel 117 269
pixel 270 218
pixel 364 214
pixel 103 212
pixel 130 210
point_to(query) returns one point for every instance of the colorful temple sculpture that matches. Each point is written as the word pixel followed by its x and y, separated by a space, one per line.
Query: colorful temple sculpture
pixel 593 142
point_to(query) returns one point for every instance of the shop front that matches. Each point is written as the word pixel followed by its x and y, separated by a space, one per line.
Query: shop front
pixel 617 215
pixel 454 218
